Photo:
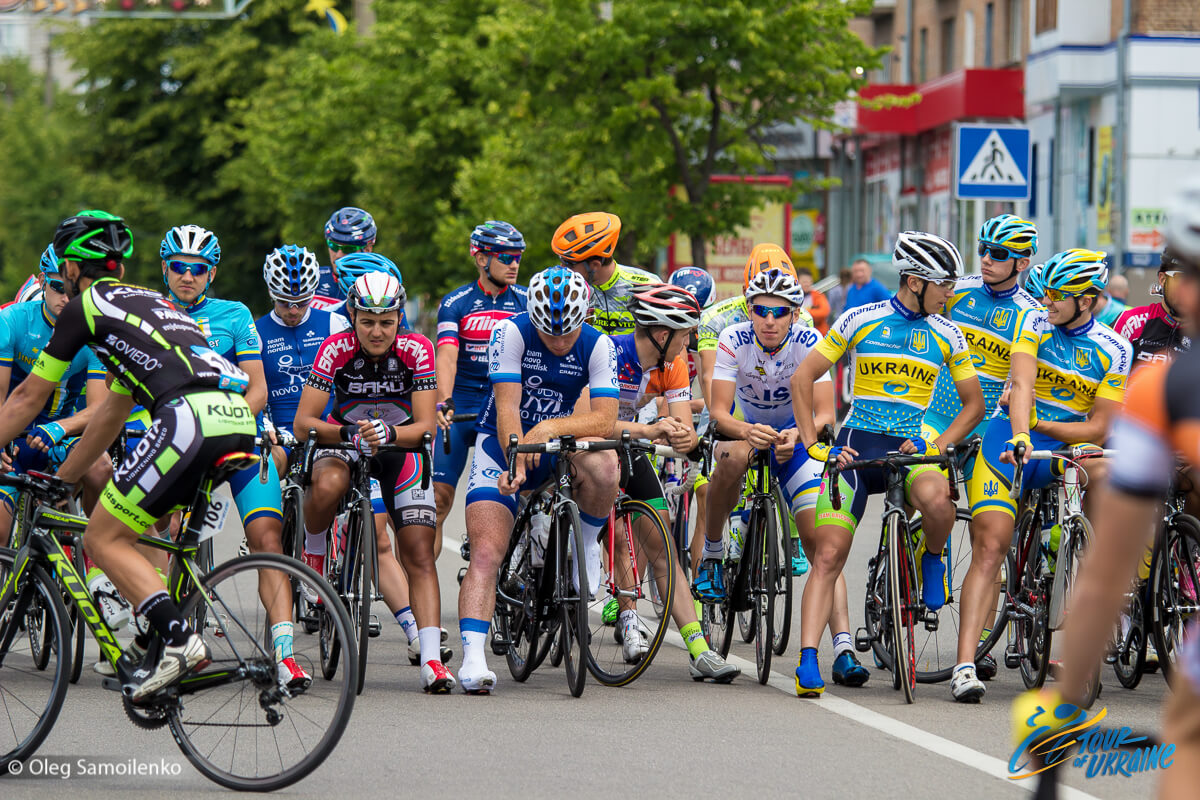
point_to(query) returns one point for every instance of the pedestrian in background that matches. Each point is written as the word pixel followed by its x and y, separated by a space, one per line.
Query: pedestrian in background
pixel 815 302
pixel 865 289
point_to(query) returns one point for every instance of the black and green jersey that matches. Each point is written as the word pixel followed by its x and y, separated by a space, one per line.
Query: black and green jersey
pixel 155 351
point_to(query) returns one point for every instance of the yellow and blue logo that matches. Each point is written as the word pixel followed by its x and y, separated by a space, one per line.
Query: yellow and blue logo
pixel 919 342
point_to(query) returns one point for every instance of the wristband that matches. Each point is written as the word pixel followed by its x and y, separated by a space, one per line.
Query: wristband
pixel 50 432
pixel 819 451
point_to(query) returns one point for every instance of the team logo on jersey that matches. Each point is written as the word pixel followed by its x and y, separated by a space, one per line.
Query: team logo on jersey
pixel 1000 318
pixel 1061 393
pixel 761 372
pixel 1083 359
pixel 970 302
pixel 895 388
pixel 918 342
pixel 887 332
pixel 204 327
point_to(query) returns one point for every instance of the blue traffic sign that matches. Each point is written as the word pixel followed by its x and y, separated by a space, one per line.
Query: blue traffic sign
pixel 991 162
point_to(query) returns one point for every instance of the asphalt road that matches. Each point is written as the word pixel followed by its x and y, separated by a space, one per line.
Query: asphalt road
pixel 662 736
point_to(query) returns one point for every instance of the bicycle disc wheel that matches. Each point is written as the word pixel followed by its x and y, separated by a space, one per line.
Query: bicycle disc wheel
pixel 646 580
pixel 233 721
pixel 571 586
pixel 784 578
pixel 764 577
pixel 31 697
pixel 1177 582
pixel 900 599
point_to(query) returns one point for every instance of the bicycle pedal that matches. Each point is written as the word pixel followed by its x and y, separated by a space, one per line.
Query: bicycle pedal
pixel 373 627
pixel 931 620
pixel 862 640
pixel 500 645
pixel 1012 659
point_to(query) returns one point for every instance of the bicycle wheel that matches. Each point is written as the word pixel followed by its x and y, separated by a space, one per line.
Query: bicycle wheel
pixel 362 587
pixel 233 721
pixel 1029 624
pixel 293 546
pixel 1175 580
pixel 31 697
pixel 783 579
pixel 877 620
pixel 763 579
pixel 571 587
pixel 645 580
pixel 1129 642
pixel 519 623
pixel 747 625
pixel 901 598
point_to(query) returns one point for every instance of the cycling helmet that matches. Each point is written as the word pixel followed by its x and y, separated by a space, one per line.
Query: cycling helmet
pixel 1076 271
pixel 49 263
pixel 664 305
pixel 29 291
pixel 494 236
pixel 1034 283
pixel 558 301
pixel 585 236
pixel 291 273
pixel 766 256
pixel 1183 222
pixel 1016 234
pixel 927 256
pixel 353 266
pixel 376 293
pixel 351 226
pixel 191 240
pixel 775 283
pixel 94 236
pixel 696 281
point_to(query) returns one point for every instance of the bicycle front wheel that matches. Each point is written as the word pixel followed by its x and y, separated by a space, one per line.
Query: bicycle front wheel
pixel 236 724
pixel 571 588
pixel 763 580
pixel 1176 581
pixel 783 576
pixel 900 602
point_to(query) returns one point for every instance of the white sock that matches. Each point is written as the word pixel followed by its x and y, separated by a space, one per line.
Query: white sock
pixel 473 643
pixel 626 618
pixel 314 543
pixel 963 665
pixel 431 644
pixel 407 622
pixel 592 551
pixel 713 550
pixel 842 644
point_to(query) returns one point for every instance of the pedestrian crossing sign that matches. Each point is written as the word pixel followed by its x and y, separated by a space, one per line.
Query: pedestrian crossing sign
pixel 992 162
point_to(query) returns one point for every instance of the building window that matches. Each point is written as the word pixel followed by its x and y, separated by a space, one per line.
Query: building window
pixel 989 30
pixel 1091 166
pixel 948 45
pixel 1047 15
pixel 1016 34
pixel 1033 181
pixel 922 50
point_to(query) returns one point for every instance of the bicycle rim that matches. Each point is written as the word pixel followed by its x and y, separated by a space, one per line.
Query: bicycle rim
pixel 519 623
pixel 747 625
pixel 228 730
pixel 1033 630
pixel 572 610
pixel 1129 647
pixel 293 545
pixel 363 590
pixel 1177 582
pixel 899 591
pixel 876 611
pixel 936 652
pixel 766 567
pixel 784 578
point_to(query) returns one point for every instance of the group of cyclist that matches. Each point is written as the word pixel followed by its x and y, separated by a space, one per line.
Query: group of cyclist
pixel 590 349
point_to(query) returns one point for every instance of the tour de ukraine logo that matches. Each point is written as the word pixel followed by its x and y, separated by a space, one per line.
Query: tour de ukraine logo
pixel 1069 734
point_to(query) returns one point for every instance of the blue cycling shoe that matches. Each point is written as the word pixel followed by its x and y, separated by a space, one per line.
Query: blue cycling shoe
pixel 933 580
pixel 848 672
pixel 799 560
pixel 808 675
pixel 709 585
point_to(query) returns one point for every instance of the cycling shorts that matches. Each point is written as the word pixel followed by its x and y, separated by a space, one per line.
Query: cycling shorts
pixel 406 503
pixel 859 485
pixel 28 459
pixel 448 468
pixel 934 425
pixel 991 481
pixel 800 480
pixel 644 484
pixel 254 499
pixel 187 436
pixel 488 464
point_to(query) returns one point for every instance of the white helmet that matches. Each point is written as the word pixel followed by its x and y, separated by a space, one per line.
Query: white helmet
pixel 191 240
pixel 775 283
pixel 663 305
pixel 558 301
pixel 291 273
pixel 377 293
pixel 1183 221
pixel 927 256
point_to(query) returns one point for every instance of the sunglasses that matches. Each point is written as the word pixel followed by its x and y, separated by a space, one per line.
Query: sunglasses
pixel 57 286
pixel 998 253
pixel 778 312
pixel 338 247
pixel 184 267
pixel 292 303
pixel 507 259
pixel 1172 273
pixel 1057 295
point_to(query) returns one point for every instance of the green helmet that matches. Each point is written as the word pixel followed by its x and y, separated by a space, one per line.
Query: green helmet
pixel 92 236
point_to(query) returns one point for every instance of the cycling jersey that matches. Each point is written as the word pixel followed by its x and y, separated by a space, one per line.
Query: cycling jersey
pixel 288 355
pixel 552 384
pixel 895 356
pixel 1075 367
pixel 24 330
pixel 328 291
pixel 229 328
pixel 465 320
pixel 610 300
pixel 730 311
pixel 762 379
pixel 1111 312
pixel 988 320
pixel 365 388
pixel 639 386
pixel 155 351
pixel 1154 334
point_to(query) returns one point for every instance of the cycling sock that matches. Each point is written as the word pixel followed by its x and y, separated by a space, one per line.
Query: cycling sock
pixel 713 550
pixel 281 639
pixel 474 639
pixel 407 622
pixel 625 618
pixel 431 644
pixel 964 665
pixel 591 548
pixel 693 636
pixel 986 633
pixel 314 543
pixel 166 619
pixel 842 643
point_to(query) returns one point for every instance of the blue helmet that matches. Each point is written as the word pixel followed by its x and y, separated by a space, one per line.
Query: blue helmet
pixel 351 226
pixel 354 265
pixel 696 281
pixel 1034 284
pixel 1011 232
pixel 495 236
pixel 49 265
pixel 191 240
pixel 1076 271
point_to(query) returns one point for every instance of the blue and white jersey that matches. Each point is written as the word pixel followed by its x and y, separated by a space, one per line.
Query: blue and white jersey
pixel 552 384
pixel 288 354
pixel 761 379
pixel 466 319
pixel 229 328
pixel 326 285
pixel 24 330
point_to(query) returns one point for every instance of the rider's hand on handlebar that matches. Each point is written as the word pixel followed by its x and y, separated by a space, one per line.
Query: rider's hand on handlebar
pixel 761 436
pixel 1007 457
pixel 445 410
pixel 661 430
pixel 508 487
pixel 919 446
pixel 372 434
pixel 683 438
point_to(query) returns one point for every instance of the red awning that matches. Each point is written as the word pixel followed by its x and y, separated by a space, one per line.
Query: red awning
pixel 963 95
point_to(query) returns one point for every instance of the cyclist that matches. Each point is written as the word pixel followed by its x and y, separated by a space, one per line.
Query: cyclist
pixel 465 322
pixel 158 357
pixel 348 230
pixel 897 347
pixel 353 266
pixel 586 243
pixel 382 382
pixel 1070 372
pixel 1156 330
pixel 754 366
pixel 25 327
pixel 540 364
pixel 650 365
pixel 733 311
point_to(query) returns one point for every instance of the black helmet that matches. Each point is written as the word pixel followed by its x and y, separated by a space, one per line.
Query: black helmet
pixel 93 236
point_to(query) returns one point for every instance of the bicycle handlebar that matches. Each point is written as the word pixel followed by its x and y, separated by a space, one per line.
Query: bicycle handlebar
pixel 1074 453
pixel 568 444
pixel 41 484
pixel 456 418
pixel 893 460
pixel 425 448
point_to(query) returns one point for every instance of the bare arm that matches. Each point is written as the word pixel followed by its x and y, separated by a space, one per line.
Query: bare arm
pixel 23 405
pixel 308 415
pixel 447 370
pixel 256 395
pixel 1093 429
pixel 803 382
pixel 708 360
pixel 1023 371
pixel 824 404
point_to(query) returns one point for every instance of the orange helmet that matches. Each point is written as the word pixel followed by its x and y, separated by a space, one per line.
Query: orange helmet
pixel 584 236
pixel 764 257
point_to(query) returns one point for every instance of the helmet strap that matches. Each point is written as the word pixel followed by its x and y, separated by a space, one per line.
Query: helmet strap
pixel 662 349
pixel 487 273
pixel 1078 312
pixel 921 299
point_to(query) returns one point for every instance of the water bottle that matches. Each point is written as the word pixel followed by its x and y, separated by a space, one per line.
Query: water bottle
pixel 539 537
pixel 1051 531
pixel 738 521
pixel 113 606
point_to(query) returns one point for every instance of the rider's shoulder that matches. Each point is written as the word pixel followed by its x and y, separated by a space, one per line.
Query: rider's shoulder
pixel 454 295
pixel 636 274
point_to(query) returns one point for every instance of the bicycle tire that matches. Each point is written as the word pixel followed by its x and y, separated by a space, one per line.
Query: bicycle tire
pixel 80 627
pixel 233 588
pixel 764 576
pixel 785 579
pixel 19 680
pixel 899 599
pixel 605 659
pixel 876 619
pixel 747 625
pixel 1032 634
pixel 293 546
pixel 1176 583
pixel 520 624
pixel 1129 649
pixel 363 586
pixel 568 538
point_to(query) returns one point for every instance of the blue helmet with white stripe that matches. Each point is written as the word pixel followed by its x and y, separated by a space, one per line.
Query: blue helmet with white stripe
pixel 191 240
pixel 696 281
pixel 353 266
pixel 49 263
